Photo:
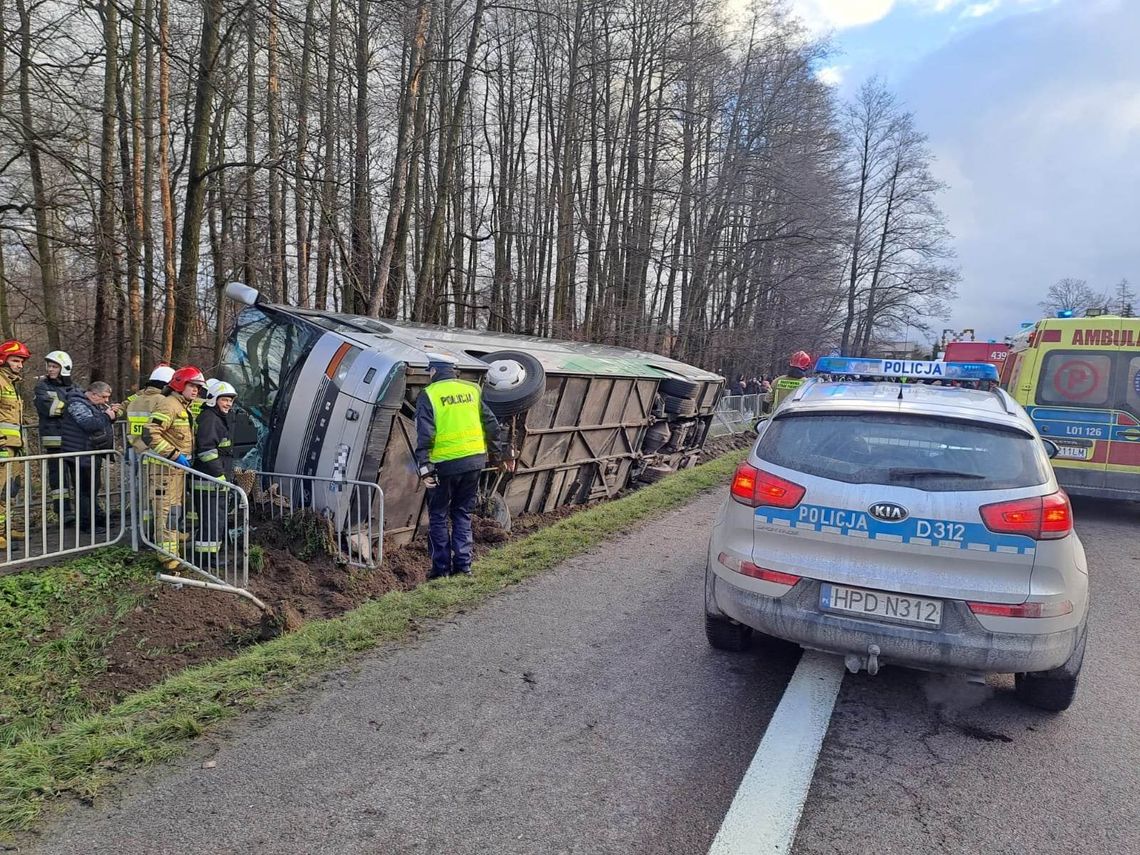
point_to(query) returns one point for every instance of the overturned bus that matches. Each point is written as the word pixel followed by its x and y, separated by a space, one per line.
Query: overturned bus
pixel 333 396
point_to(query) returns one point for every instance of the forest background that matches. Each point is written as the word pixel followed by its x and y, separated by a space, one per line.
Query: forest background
pixel 649 173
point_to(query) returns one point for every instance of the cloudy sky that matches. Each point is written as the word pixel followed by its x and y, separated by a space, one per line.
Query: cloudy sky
pixel 1033 110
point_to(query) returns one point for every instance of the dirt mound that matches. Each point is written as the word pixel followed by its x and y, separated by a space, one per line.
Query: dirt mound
pixel 724 444
pixel 294 571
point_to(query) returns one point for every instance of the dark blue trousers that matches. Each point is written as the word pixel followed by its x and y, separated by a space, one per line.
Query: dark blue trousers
pixel 452 501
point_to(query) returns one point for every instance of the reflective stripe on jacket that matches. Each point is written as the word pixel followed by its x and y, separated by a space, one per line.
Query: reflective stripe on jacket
pixel 168 431
pixel 11 410
pixel 783 387
pixel 213 449
pixel 457 406
pixel 50 399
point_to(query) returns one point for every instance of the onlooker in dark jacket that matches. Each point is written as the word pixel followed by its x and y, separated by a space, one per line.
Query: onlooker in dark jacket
pixel 87 427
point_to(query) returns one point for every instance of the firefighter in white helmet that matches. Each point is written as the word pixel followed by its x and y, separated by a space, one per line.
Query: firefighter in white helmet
pixel 50 399
pixel 213 456
pixel 141 404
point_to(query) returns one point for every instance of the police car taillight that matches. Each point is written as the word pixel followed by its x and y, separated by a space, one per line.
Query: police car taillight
pixel 1041 517
pixel 747 568
pixel 754 487
pixel 1058 608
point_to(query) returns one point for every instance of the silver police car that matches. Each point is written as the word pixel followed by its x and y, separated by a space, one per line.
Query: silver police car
pixel 904 523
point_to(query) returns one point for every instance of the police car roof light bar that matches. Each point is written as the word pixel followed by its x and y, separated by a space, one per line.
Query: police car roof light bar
pixel 909 368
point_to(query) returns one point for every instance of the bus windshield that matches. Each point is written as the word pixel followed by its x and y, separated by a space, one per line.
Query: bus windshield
pixel 259 359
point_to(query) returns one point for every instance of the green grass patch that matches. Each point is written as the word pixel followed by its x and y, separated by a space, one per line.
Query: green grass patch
pixel 83 755
pixel 55 624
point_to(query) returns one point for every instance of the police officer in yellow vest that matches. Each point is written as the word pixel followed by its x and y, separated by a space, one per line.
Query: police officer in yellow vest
pixel 785 384
pixel 12 356
pixel 455 433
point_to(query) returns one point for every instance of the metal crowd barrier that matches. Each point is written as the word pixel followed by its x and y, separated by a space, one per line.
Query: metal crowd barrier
pixel 53 505
pixel 196 522
pixel 736 414
pixel 746 405
pixel 33 445
pixel 352 510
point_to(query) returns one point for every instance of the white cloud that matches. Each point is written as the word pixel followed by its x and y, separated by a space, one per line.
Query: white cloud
pixel 980 10
pixel 823 15
pixel 831 75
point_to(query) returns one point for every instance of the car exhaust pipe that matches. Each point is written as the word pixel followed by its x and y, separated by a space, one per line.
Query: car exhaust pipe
pixel 856 663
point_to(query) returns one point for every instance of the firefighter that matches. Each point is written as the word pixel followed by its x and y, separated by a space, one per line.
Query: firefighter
pixel 50 400
pixel 141 403
pixel 213 456
pixel 455 431
pixel 167 433
pixel 787 383
pixel 12 356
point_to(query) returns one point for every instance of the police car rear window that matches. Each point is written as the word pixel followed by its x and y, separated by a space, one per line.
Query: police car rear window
pixel 907 451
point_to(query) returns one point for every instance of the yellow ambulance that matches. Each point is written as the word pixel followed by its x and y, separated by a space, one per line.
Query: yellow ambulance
pixel 1079 379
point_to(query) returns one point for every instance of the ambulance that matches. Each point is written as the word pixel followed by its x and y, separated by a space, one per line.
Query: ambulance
pixel 1079 380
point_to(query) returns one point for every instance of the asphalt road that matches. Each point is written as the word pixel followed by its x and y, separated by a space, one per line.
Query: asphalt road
pixel 583 712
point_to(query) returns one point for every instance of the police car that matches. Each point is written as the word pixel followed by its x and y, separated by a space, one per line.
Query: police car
pixel 904 523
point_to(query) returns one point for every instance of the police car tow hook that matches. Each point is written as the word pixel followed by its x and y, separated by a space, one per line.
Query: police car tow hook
pixel 873 659
pixel 856 663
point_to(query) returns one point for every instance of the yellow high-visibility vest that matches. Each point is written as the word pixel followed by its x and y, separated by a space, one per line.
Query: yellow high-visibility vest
pixel 458 409
pixel 783 387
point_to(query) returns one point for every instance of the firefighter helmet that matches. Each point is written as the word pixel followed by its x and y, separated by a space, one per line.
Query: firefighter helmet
pixel 62 359
pixel 187 376
pixel 800 360
pixel 162 373
pixel 219 389
pixel 12 348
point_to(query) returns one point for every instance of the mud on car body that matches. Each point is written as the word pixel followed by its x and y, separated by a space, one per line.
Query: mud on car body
pixel 905 524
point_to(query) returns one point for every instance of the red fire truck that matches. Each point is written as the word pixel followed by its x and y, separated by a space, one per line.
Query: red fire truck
pixel 977 351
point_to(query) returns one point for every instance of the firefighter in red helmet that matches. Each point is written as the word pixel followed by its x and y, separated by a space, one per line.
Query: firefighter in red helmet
pixel 798 366
pixel 12 356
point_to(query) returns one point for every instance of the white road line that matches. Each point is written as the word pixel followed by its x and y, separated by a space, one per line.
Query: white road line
pixel 766 811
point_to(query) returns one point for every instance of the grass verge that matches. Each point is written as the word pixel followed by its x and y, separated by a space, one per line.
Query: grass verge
pixel 55 624
pixel 154 724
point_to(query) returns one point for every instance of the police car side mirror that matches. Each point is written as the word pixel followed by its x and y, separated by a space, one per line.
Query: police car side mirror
pixel 1051 448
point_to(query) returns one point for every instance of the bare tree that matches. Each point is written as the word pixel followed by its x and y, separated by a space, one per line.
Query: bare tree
pixel 1069 295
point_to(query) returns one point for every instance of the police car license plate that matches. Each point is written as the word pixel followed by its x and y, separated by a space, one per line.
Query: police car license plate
pixel 1069 452
pixel 895 608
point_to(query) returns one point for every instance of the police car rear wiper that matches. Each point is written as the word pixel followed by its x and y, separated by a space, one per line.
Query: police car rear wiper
pixel 901 473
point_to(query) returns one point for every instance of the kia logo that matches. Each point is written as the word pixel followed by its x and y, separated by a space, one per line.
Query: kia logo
pixel 888 512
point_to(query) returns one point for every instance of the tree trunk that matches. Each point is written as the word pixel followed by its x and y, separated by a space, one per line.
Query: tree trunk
pixel 6 330
pixel 277 286
pixel 300 214
pixel 249 251
pixel 359 281
pixel 147 321
pixel 381 300
pixel 166 191
pixel 328 182
pixel 443 181
pixel 186 311
pixel 39 190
